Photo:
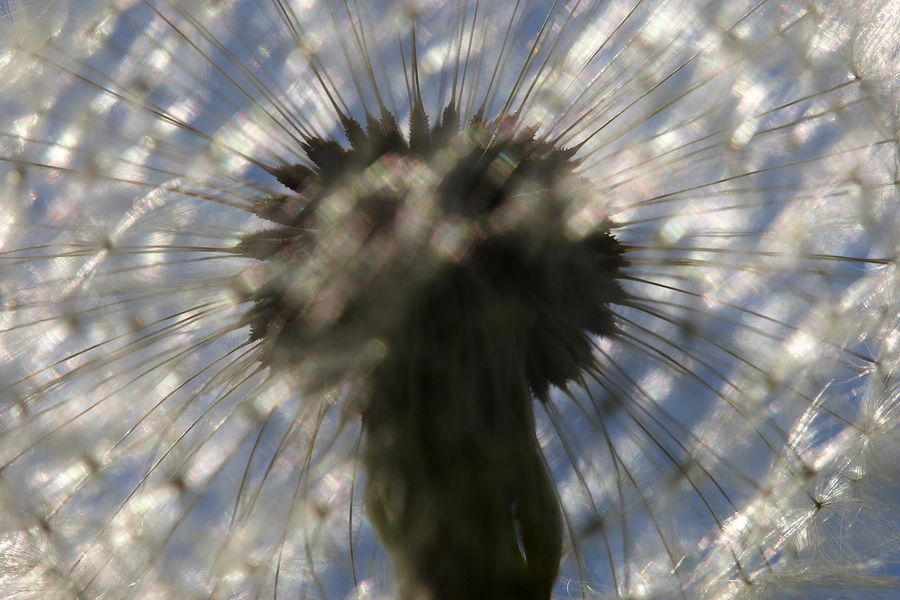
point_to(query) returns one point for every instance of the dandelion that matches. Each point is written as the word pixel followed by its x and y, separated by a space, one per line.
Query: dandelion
pixel 448 299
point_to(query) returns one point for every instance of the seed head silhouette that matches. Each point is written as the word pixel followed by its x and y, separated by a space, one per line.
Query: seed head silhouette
pixel 446 299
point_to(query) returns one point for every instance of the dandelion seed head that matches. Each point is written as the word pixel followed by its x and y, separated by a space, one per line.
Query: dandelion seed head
pixel 206 356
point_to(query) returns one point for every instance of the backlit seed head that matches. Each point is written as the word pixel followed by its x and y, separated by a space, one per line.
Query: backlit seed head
pixel 509 299
pixel 374 232
pixel 452 254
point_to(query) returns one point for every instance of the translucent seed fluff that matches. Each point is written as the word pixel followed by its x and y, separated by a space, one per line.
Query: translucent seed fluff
pixel 444 299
